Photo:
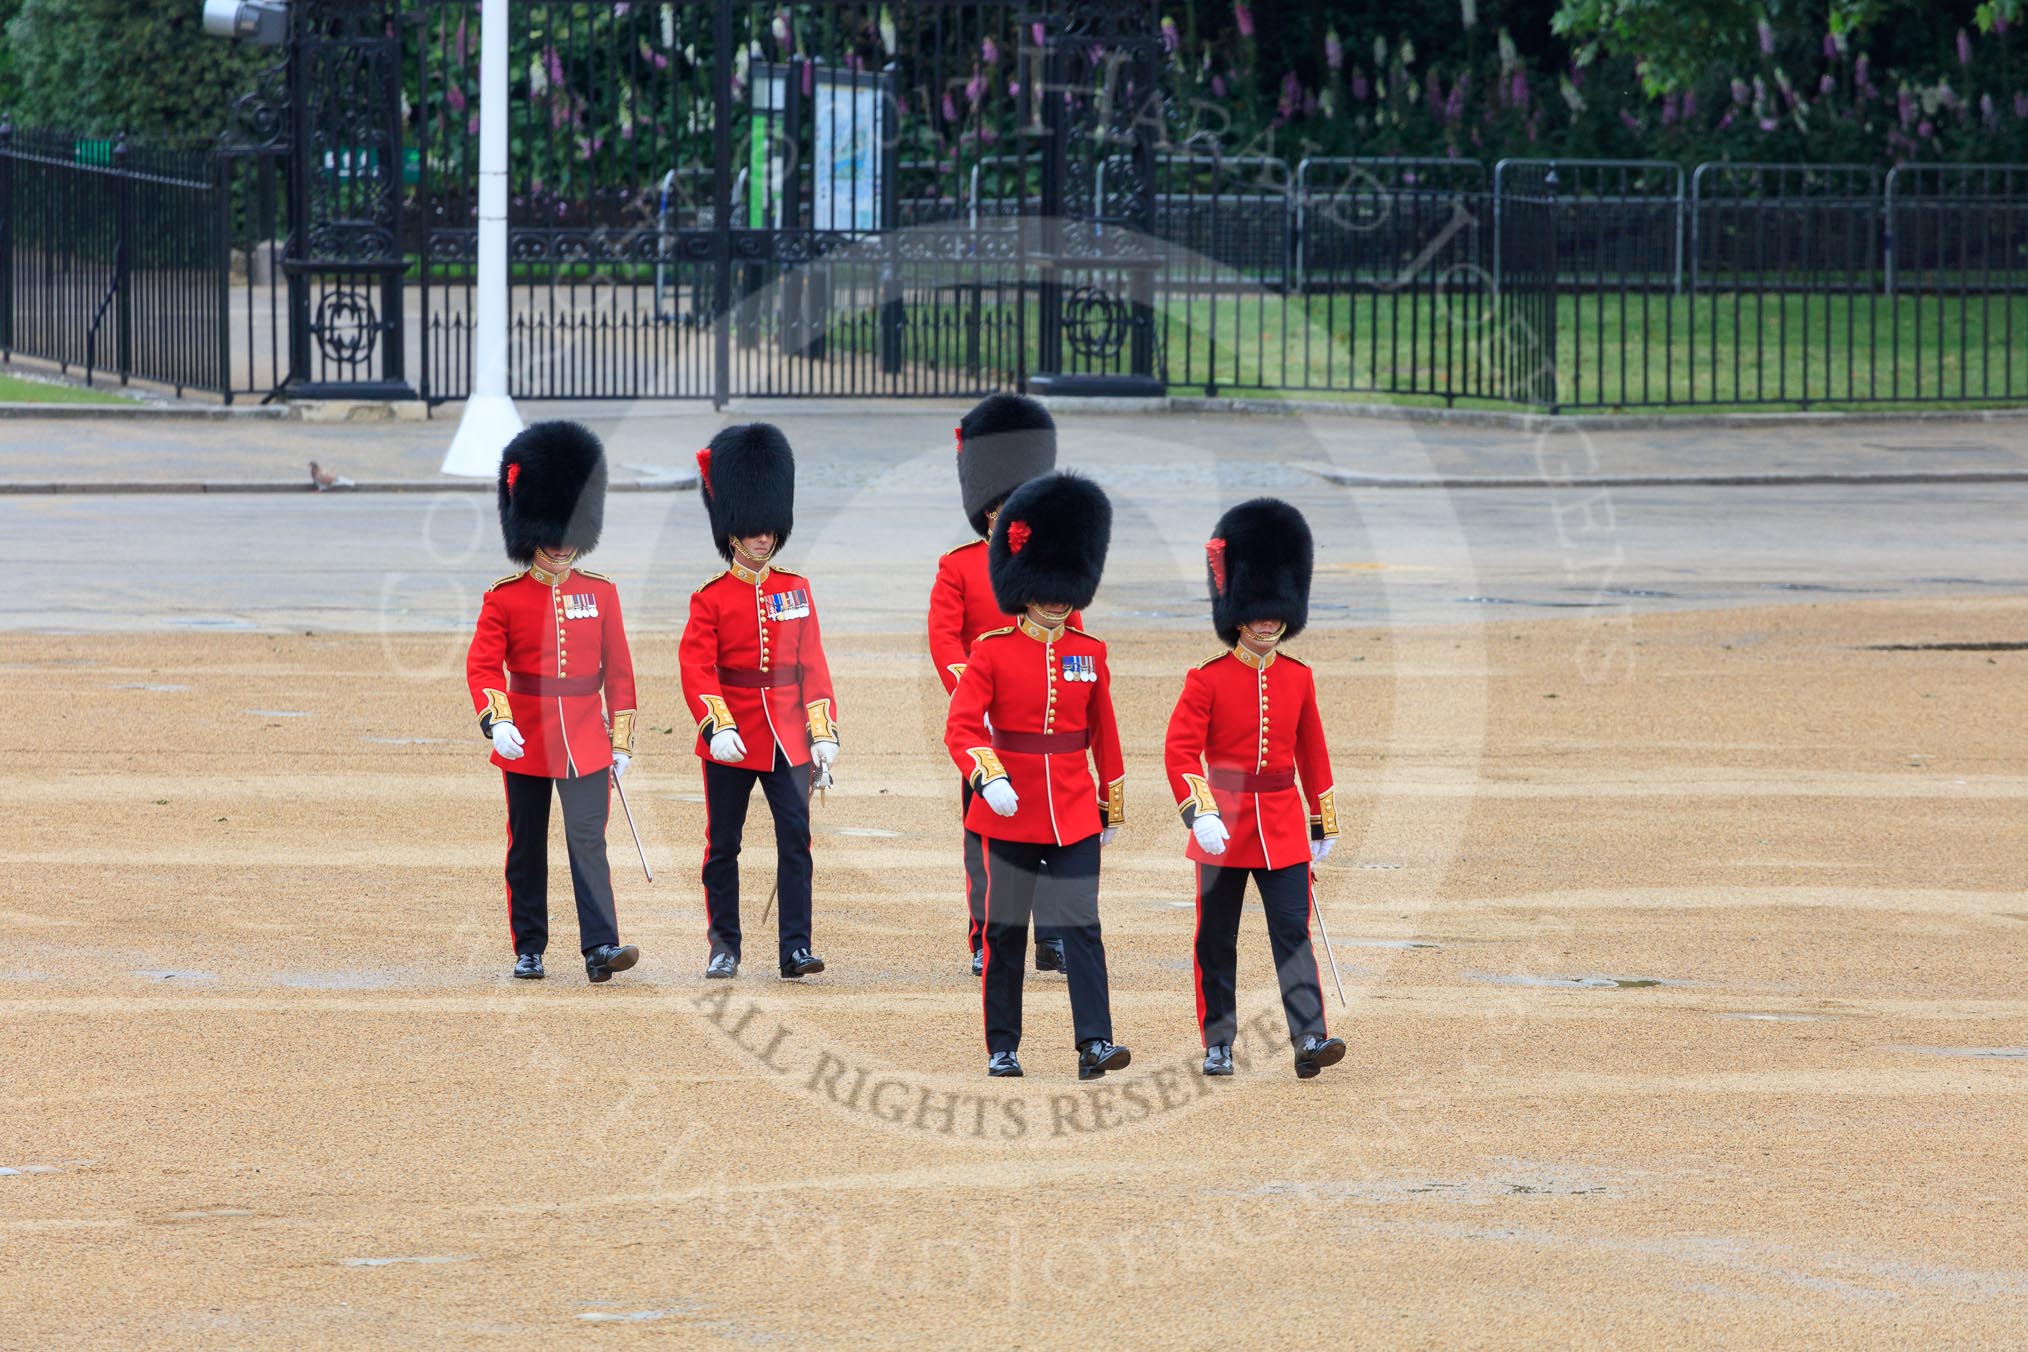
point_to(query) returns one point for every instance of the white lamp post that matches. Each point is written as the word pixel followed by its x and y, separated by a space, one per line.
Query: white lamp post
pixel 490 420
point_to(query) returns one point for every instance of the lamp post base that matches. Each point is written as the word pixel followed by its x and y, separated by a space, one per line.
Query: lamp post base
pixel 489 422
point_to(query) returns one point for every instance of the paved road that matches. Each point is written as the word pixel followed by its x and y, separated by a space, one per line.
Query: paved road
pixel 853 439
pixel 869 534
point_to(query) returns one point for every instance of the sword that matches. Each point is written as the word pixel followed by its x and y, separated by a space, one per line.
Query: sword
pixel 1318 911
pixel 631 827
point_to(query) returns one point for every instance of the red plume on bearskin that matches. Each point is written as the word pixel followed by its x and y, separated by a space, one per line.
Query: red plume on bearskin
pixel 704 467
pixel 513 473
pixel 1214 554
pixel 1017 536
pixel 959 432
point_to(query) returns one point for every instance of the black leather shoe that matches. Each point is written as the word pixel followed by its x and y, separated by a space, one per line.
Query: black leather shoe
pixel 1218 1059
pixel 603 961
pixel 1313 1053
pixel 528 966
pixel 1003 1065
pixel 722 967
pixel 802 962
pixel 1049 956
pixel 978 963
pixel 1098 1056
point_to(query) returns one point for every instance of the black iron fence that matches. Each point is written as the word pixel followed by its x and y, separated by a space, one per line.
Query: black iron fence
pixel 113 259
pixel 122 262
pixel 1552 284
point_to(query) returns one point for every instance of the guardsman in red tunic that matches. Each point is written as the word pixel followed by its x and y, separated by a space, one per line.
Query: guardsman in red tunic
pixel 1034 704
pixel 1005 441
pixel 1244 733
pixel 553 683
pixel 755 677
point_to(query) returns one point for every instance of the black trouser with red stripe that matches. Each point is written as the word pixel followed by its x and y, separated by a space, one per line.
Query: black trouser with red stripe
pixel 727 791
pixel 586 801
pixel 1285 896
pixel 1057 885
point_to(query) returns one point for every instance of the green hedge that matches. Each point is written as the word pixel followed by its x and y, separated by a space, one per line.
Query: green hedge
pixel 141 66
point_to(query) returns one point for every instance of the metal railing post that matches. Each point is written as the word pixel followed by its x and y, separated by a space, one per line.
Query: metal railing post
pixel 6 237
pixel 1677 286
pixel 123 255
pixel 221 188
pixel 1549 185
pixel 1887 231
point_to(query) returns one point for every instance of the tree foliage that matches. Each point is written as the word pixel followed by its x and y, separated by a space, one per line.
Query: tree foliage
pixel 145 67
pixel 1867 80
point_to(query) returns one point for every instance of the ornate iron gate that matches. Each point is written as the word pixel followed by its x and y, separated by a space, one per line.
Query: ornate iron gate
pixel 1099 116
pixel 718 198
pixel 322 131
pixel 343 263
pixel 726 198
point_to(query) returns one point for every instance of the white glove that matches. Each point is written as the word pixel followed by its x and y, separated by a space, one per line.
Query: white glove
pixel 823 754
pixel 726 746
pixel 507 741
pixel 1210 832
pixel 1000 796
pixel 621 760
pixel 1107 835
pixel 1320 850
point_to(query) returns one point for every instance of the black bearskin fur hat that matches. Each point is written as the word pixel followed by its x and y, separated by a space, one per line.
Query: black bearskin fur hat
pixel 1049 543
pixel 748 477
pixel 1006 440
pixel 552 490
pixel 1259 561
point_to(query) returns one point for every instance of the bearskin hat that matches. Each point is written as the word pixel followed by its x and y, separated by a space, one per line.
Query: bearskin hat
pixel 552 490
pixel 1259 561
pixel 1049 543
pixel 748 477
pixel 1006 440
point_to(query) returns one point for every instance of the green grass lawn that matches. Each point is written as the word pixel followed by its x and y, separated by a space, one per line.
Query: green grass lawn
pixel 1640 350
pixel 15 390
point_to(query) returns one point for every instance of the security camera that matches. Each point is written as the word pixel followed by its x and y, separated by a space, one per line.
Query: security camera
pixel 264 23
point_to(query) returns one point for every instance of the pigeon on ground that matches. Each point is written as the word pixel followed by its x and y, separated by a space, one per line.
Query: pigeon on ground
pixel 325 479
